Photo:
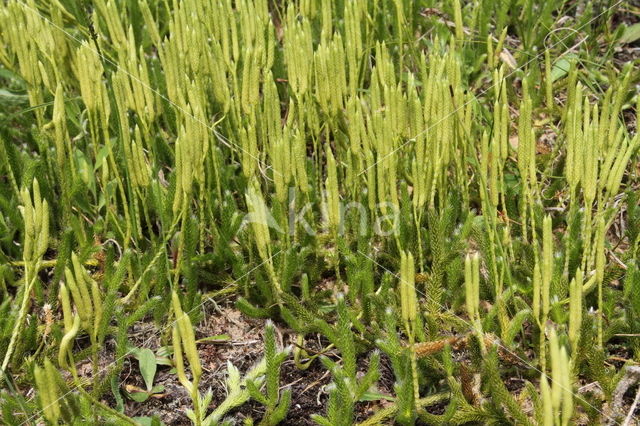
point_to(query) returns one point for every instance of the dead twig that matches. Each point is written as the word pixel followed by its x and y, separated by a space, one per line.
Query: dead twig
pixel 326 373
pixel 627 420
pixel 630 378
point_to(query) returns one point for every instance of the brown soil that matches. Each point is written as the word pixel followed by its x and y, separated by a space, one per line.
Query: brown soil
pixel 244 349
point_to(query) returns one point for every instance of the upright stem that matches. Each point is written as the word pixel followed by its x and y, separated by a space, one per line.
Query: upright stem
pixel 30 280
pixel 414 363
pixel 418 219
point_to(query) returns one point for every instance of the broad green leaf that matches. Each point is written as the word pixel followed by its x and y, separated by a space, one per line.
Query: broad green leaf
pixel 102 154
pixel 139 396
pixel 161 360
pixel 148 366
pixel 157 389
pixel 561 67
pixel 631 34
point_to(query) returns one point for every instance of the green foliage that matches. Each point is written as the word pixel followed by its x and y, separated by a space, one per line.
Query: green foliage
pixel 35 214
pixel 276 404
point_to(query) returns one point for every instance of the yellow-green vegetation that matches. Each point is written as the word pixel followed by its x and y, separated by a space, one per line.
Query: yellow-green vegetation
pixel 447 189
